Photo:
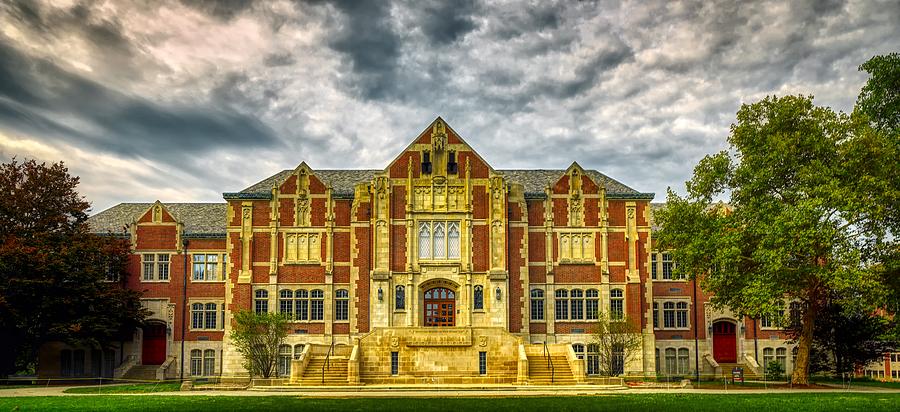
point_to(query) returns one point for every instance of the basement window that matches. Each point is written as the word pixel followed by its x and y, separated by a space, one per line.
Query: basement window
pixel 395 363
pixel 482 363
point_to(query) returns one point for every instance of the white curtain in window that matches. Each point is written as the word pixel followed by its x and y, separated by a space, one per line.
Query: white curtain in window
pixel 453 240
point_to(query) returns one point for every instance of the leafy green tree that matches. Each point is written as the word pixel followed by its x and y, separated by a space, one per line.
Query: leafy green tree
pixel 257 337
pixel 55 275
pixel 806 219
pixel 618 342
pixel 880 97
pixel 851 337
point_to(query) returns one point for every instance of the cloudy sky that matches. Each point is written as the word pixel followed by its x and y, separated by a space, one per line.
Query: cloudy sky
pixel 181 101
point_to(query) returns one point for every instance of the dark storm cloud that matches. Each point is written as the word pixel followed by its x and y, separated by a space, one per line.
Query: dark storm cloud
pixel 222 9
pixel 444 22
pixel 38 96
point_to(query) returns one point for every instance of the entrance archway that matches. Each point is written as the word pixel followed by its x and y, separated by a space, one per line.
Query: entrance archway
pixel 153 351
pixel 440 307
pixel 724 342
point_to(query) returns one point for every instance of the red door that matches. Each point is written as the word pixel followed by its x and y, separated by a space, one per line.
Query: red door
pixel 724 342
pixel 154 350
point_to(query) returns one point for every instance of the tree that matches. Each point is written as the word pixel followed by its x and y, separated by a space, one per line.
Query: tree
pixel 806 215
pixel 850 337
pixel 879 99
pixel 257 337
pixel 53 272
pixel 618 342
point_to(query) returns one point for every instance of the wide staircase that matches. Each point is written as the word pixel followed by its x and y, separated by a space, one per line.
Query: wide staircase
pixel 142 373
pixel 335 373
pixel 541 373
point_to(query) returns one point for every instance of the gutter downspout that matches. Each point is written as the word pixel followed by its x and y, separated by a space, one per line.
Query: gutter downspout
pixel 183 303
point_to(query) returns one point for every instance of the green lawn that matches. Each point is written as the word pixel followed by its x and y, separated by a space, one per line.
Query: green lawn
pixel 692 402
pixel 136 388
pixel 864 382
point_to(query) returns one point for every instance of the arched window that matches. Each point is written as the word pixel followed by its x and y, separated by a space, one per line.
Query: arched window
pixel 562 304
pixel 669 314
pixel 65 362
pixel 537 304
pixel 577 297
pixel 593 359
pixel 209 362
pixel 616 304
pixel 440 241
pixel 478 298
pixel 781 358
pixel 579 350
pixel 196 316
pixel 453 240
pixel 196 362
pixel 681 314
pixel 684 360
pixel 211 311
pixel 671 361
pixel 341 304
pixel 298 350
pixel 302 304
pixel 425 240
pixel 261 301
pixel 284 360
pixel 316 305
pixel 592 304
pixel 286 302
pixel 400 298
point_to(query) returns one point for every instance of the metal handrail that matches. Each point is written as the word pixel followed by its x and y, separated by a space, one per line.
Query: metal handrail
pixel 549 362
pixel 327 363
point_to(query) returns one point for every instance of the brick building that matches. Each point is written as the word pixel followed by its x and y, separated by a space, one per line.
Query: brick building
pixel 438 268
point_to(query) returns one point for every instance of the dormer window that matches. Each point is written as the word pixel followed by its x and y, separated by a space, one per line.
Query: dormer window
pixel 426 162
pixel 452 166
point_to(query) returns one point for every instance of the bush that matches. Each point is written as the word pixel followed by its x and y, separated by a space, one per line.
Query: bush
pixel 774 371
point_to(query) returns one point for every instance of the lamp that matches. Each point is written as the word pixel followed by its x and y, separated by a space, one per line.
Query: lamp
pixel 380 294
pixel 498 292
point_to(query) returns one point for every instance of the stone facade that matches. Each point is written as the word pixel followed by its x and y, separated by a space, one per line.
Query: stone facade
pixel 432 260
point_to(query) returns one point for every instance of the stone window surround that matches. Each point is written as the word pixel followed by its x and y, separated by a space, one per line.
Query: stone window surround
pixel 660 301
pixel 220 314
pixel 156 264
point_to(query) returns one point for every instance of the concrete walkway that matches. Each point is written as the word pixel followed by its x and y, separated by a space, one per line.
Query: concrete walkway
pixel 373 392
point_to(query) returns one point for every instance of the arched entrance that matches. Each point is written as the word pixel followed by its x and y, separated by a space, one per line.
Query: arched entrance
pixel 724 342
pixel 440 307
pixel 153 351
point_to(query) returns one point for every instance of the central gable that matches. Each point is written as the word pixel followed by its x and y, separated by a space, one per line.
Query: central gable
pixel 439 152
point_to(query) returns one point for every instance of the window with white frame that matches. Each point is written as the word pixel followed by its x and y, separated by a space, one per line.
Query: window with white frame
pixel 684 360
pixel 781 357
pixel 674 315
pixel 302 248
pixel 681 315
pixel 668 315
pixel 286 303
pixel 284 360
pixel 592 304
pixel 205 267
pixel 577 304
pixel 203 362
pixel 309 305
pixel 205 316
pixel 341 305
pixel 261 301
pixel 537 304
pixel 668 266
pixel 439 240
pixel 316 305
pixel 576 247
pixel 562 304
pixel 772 322
pixel 302 304
pixel 671 361
pixel 155 267
pixel 768 357
pixel 653 264
pixel 616 304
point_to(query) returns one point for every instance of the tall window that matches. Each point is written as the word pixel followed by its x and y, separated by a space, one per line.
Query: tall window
pixel 205 267
pixel 772 322
pixel 302 248
pixel 400 298
pixel 768 357
pixel 196 362
pixel 439 240
pixel 655 315
pixel 577 298
pixel 781 357
pixel 302 304
pixel 667 266
pixel 316 305
pixel 482 363
pixel 537 304
pixel 616 304
pixel 341 304
pixel 286 302
pixel 681 314
pixel 796 313
pixel 669 315
pixel 209 362
pixel 65 362
pixel 261 301
pixel 684 360
pixel 395 363
pixel 204 316
pixel 593 359
pixel 671 361
pixel 478 299
pixel 618 359
pixel 592 304
pixel 284 360
pixel 562 304
pixel 155 266
pixel 652 265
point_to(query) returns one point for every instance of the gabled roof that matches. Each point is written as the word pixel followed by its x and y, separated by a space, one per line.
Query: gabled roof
pixel 535 181
pixel 341 182
pixel 206 219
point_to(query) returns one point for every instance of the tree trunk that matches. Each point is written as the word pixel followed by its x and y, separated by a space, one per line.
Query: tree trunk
pixel 801 365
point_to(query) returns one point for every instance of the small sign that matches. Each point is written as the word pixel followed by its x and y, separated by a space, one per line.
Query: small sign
pixel 737 375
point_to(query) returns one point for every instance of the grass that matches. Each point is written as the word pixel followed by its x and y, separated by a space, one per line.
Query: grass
pixel 862 382
pixel 134 388
pixel 694 402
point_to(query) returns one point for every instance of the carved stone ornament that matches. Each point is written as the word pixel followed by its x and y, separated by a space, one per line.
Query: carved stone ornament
pixel 395 341
pixel 482 341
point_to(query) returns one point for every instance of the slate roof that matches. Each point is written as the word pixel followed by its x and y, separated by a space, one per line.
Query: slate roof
pixel 342 182
pixel 199 218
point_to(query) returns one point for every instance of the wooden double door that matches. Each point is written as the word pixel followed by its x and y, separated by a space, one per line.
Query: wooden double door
pixel 724 342
pixel 154 347
pixel 440 307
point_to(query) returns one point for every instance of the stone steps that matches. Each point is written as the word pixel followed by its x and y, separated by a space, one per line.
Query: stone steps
pixel 540 373
pixel 334 375
pixel 142 373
